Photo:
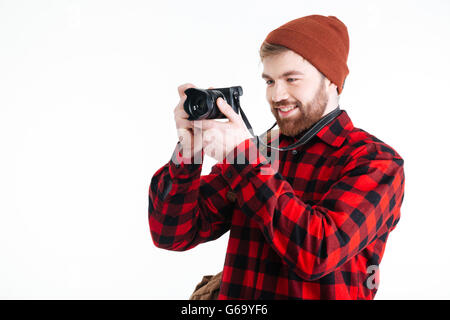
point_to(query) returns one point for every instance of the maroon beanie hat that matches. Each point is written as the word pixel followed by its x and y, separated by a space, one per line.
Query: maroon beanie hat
pixel 323 41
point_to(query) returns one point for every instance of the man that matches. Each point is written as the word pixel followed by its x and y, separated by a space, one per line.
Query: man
pixel 315 228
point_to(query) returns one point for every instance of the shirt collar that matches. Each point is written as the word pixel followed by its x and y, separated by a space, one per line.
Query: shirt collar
pixel 337 130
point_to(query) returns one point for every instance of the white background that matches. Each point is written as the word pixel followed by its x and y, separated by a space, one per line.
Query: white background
pixel 87 92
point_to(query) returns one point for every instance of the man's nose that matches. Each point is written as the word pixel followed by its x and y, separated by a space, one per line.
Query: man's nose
pixel 279 93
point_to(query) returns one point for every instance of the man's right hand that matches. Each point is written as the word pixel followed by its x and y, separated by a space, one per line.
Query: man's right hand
pixel 189 136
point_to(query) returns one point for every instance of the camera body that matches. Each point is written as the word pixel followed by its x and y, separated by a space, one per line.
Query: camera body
pixel 201 104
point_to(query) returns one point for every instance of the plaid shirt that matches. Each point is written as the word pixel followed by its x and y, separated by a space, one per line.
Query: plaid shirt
pixel 315 228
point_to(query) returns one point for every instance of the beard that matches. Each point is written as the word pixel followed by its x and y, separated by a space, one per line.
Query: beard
pixel 309 113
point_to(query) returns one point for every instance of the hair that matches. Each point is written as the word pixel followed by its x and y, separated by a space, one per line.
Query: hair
pixel 268 49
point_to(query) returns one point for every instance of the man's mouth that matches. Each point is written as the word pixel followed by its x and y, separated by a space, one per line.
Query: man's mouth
pixel 285 111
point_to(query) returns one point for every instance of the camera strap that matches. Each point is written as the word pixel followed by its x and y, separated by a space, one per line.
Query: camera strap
pixel 319 125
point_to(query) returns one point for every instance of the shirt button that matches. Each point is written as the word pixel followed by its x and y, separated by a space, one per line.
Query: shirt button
pixel 229 175
pixel 294 152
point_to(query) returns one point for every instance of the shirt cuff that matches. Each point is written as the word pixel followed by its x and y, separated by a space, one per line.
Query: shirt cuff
pixel 242 161
pixel 179 165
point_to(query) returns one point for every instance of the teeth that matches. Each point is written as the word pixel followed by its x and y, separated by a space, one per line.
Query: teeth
pixel 285 109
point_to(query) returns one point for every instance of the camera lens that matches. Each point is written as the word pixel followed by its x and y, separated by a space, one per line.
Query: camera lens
pixel 201 104
pixel 199 107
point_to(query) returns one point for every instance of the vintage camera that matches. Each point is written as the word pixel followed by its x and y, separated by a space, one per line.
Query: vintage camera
pixel 201 103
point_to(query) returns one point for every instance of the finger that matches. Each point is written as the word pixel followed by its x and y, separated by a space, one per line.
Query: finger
pixel 212 136
pixel 184 136
pixel 198 124
pixel 227 110
pixel 208 136
pixel 209 124
pixel 184 124
pixel 179 112
pixel 198 140
pixel 183 88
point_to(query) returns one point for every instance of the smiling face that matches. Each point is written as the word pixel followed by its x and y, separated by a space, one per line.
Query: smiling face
pixel 297 92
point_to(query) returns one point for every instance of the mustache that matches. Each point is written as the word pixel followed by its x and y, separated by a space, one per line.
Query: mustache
pixel 285 103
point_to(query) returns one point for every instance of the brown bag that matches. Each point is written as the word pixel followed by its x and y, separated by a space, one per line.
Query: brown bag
pixel 208 288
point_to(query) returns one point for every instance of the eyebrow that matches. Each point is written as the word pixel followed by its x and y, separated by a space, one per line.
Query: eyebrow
pixel 287 73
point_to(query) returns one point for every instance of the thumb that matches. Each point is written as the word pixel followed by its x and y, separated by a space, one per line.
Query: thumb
pixel 227 110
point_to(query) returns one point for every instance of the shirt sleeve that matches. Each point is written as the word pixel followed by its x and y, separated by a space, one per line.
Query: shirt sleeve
pixel 316 239
pixel 185 208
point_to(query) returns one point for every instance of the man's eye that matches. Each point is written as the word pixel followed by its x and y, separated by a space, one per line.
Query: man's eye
pixel 291 80
pixel 269 82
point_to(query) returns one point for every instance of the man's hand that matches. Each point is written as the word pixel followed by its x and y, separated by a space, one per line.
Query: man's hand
pixel 220 138
pixel 188 135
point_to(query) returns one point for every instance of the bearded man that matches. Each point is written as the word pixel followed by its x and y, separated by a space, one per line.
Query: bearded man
pixel 315 224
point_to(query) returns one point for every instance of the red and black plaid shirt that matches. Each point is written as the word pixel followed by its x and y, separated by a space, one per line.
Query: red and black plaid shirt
pixel 315 228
